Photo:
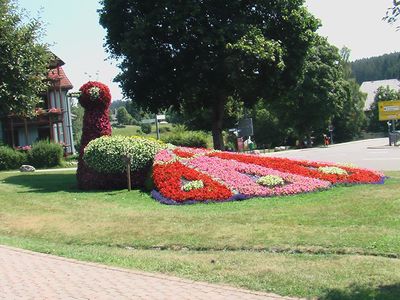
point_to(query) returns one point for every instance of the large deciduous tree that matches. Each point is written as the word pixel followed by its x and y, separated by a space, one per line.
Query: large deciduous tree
pixel 393 13
pixel 197 53
pixel 23 62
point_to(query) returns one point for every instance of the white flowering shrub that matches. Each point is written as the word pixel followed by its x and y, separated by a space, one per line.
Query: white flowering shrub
pixel 108 154
pixel 192 185
pixel 332 170
pixel 271 180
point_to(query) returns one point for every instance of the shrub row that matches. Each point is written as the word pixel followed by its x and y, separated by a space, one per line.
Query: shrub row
pixel 106 154
pixel 43 154
pixel 196 139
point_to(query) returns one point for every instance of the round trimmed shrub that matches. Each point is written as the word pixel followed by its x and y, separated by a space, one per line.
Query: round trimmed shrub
pixel 45 154
pixel 10 158
pixel 106 154
pixel 146 128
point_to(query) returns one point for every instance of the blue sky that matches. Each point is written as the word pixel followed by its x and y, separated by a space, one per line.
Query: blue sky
pixel 74 33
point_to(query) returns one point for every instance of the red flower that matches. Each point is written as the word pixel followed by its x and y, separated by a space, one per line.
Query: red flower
pixel 168 180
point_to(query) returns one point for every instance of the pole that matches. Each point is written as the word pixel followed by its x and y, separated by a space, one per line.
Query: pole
pixel 157 129
pixel 127 160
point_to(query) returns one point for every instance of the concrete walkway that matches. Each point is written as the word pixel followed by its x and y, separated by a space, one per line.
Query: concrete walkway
pixel 29 275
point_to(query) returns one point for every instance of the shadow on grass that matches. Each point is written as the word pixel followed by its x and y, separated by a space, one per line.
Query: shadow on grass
pixel 51 183
pixel 385 292
pixel 46 183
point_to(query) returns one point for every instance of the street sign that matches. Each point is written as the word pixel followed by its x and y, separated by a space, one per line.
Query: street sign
pixel 389 110
pixel 161 117
pixel 245 127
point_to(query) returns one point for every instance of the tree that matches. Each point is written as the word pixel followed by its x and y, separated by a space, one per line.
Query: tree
pixel 384 93
pixel 325 94
pixel 350 119
pixel 393 13
pixel 319 95
pixel 23 62
pixel 197 54
pixel 123 117
pixel 382 67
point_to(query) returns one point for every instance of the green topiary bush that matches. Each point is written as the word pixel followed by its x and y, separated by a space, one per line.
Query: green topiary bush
pixel 45 154
pixel 10 158
pixel 105 154
pixel 146 128
pixel 197 139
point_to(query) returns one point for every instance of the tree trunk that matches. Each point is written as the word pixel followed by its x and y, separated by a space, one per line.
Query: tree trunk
pixel 217 123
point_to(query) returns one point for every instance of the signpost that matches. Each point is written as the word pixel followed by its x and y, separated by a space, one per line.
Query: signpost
pixel 331 128
pixel 390 111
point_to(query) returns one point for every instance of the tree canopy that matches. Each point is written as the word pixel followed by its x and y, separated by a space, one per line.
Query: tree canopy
pixel 382 67
pixel 393 13
pixel 196 54
pixel 23 62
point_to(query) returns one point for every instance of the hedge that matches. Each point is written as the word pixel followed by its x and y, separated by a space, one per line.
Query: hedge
pixel 11 159
pixel 106 154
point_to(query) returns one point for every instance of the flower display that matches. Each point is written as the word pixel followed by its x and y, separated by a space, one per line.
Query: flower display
pixel 332 170
pixel 192 185
pixel 305 168
pixel 54 110
pixel 270 180
pixel 94 92
pixel 96 123
pixel 187 175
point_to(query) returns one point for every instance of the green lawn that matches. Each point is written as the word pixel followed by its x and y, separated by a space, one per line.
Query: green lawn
pixel 130 130
pixel 343 243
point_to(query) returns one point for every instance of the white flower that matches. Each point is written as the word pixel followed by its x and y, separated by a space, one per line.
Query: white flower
pixel 94 92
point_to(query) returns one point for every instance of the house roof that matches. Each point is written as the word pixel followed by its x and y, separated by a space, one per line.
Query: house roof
pixel 59 79
pixel 55 61
pixel 370 88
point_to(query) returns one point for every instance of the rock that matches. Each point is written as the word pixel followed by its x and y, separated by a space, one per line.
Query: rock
pixel 27 168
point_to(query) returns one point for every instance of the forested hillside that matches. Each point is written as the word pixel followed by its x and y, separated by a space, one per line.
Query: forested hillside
pixel 377 68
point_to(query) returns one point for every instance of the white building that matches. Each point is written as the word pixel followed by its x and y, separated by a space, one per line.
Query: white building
pixel 371 87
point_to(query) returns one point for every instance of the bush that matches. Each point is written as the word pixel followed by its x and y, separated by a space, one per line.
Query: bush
pixel 45 154
pixel 105 154
pixel 10 158
pixel 196 139
pixel 146 128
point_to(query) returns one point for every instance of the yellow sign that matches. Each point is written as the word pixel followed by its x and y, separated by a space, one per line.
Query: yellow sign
pixel 389 110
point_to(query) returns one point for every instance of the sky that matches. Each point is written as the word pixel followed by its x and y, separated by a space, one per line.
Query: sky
pixel 75 35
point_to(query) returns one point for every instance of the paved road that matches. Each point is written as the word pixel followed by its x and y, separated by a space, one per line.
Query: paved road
pixel 373 154
pixel 28 275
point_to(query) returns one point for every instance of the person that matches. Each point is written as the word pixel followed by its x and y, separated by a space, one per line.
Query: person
pixel 326 140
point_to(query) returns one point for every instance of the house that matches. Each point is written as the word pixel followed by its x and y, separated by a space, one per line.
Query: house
pixel 53 116
pixel 371 87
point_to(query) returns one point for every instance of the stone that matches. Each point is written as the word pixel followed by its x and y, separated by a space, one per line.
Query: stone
pixel 27 168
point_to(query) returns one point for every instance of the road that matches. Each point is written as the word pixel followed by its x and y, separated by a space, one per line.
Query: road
pixel 373 154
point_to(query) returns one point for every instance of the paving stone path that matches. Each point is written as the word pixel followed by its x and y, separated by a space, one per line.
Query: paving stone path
pixel 29 275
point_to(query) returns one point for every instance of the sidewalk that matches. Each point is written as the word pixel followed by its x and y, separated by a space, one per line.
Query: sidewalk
pixel 29 275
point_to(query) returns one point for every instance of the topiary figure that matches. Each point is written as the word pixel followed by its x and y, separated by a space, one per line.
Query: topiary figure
pixel 95 98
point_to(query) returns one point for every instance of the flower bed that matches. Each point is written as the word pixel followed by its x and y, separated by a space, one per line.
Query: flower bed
pixel 188 175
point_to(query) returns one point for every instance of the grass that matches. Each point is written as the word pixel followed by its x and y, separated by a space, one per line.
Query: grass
pixel 130 130
pixel 342 243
